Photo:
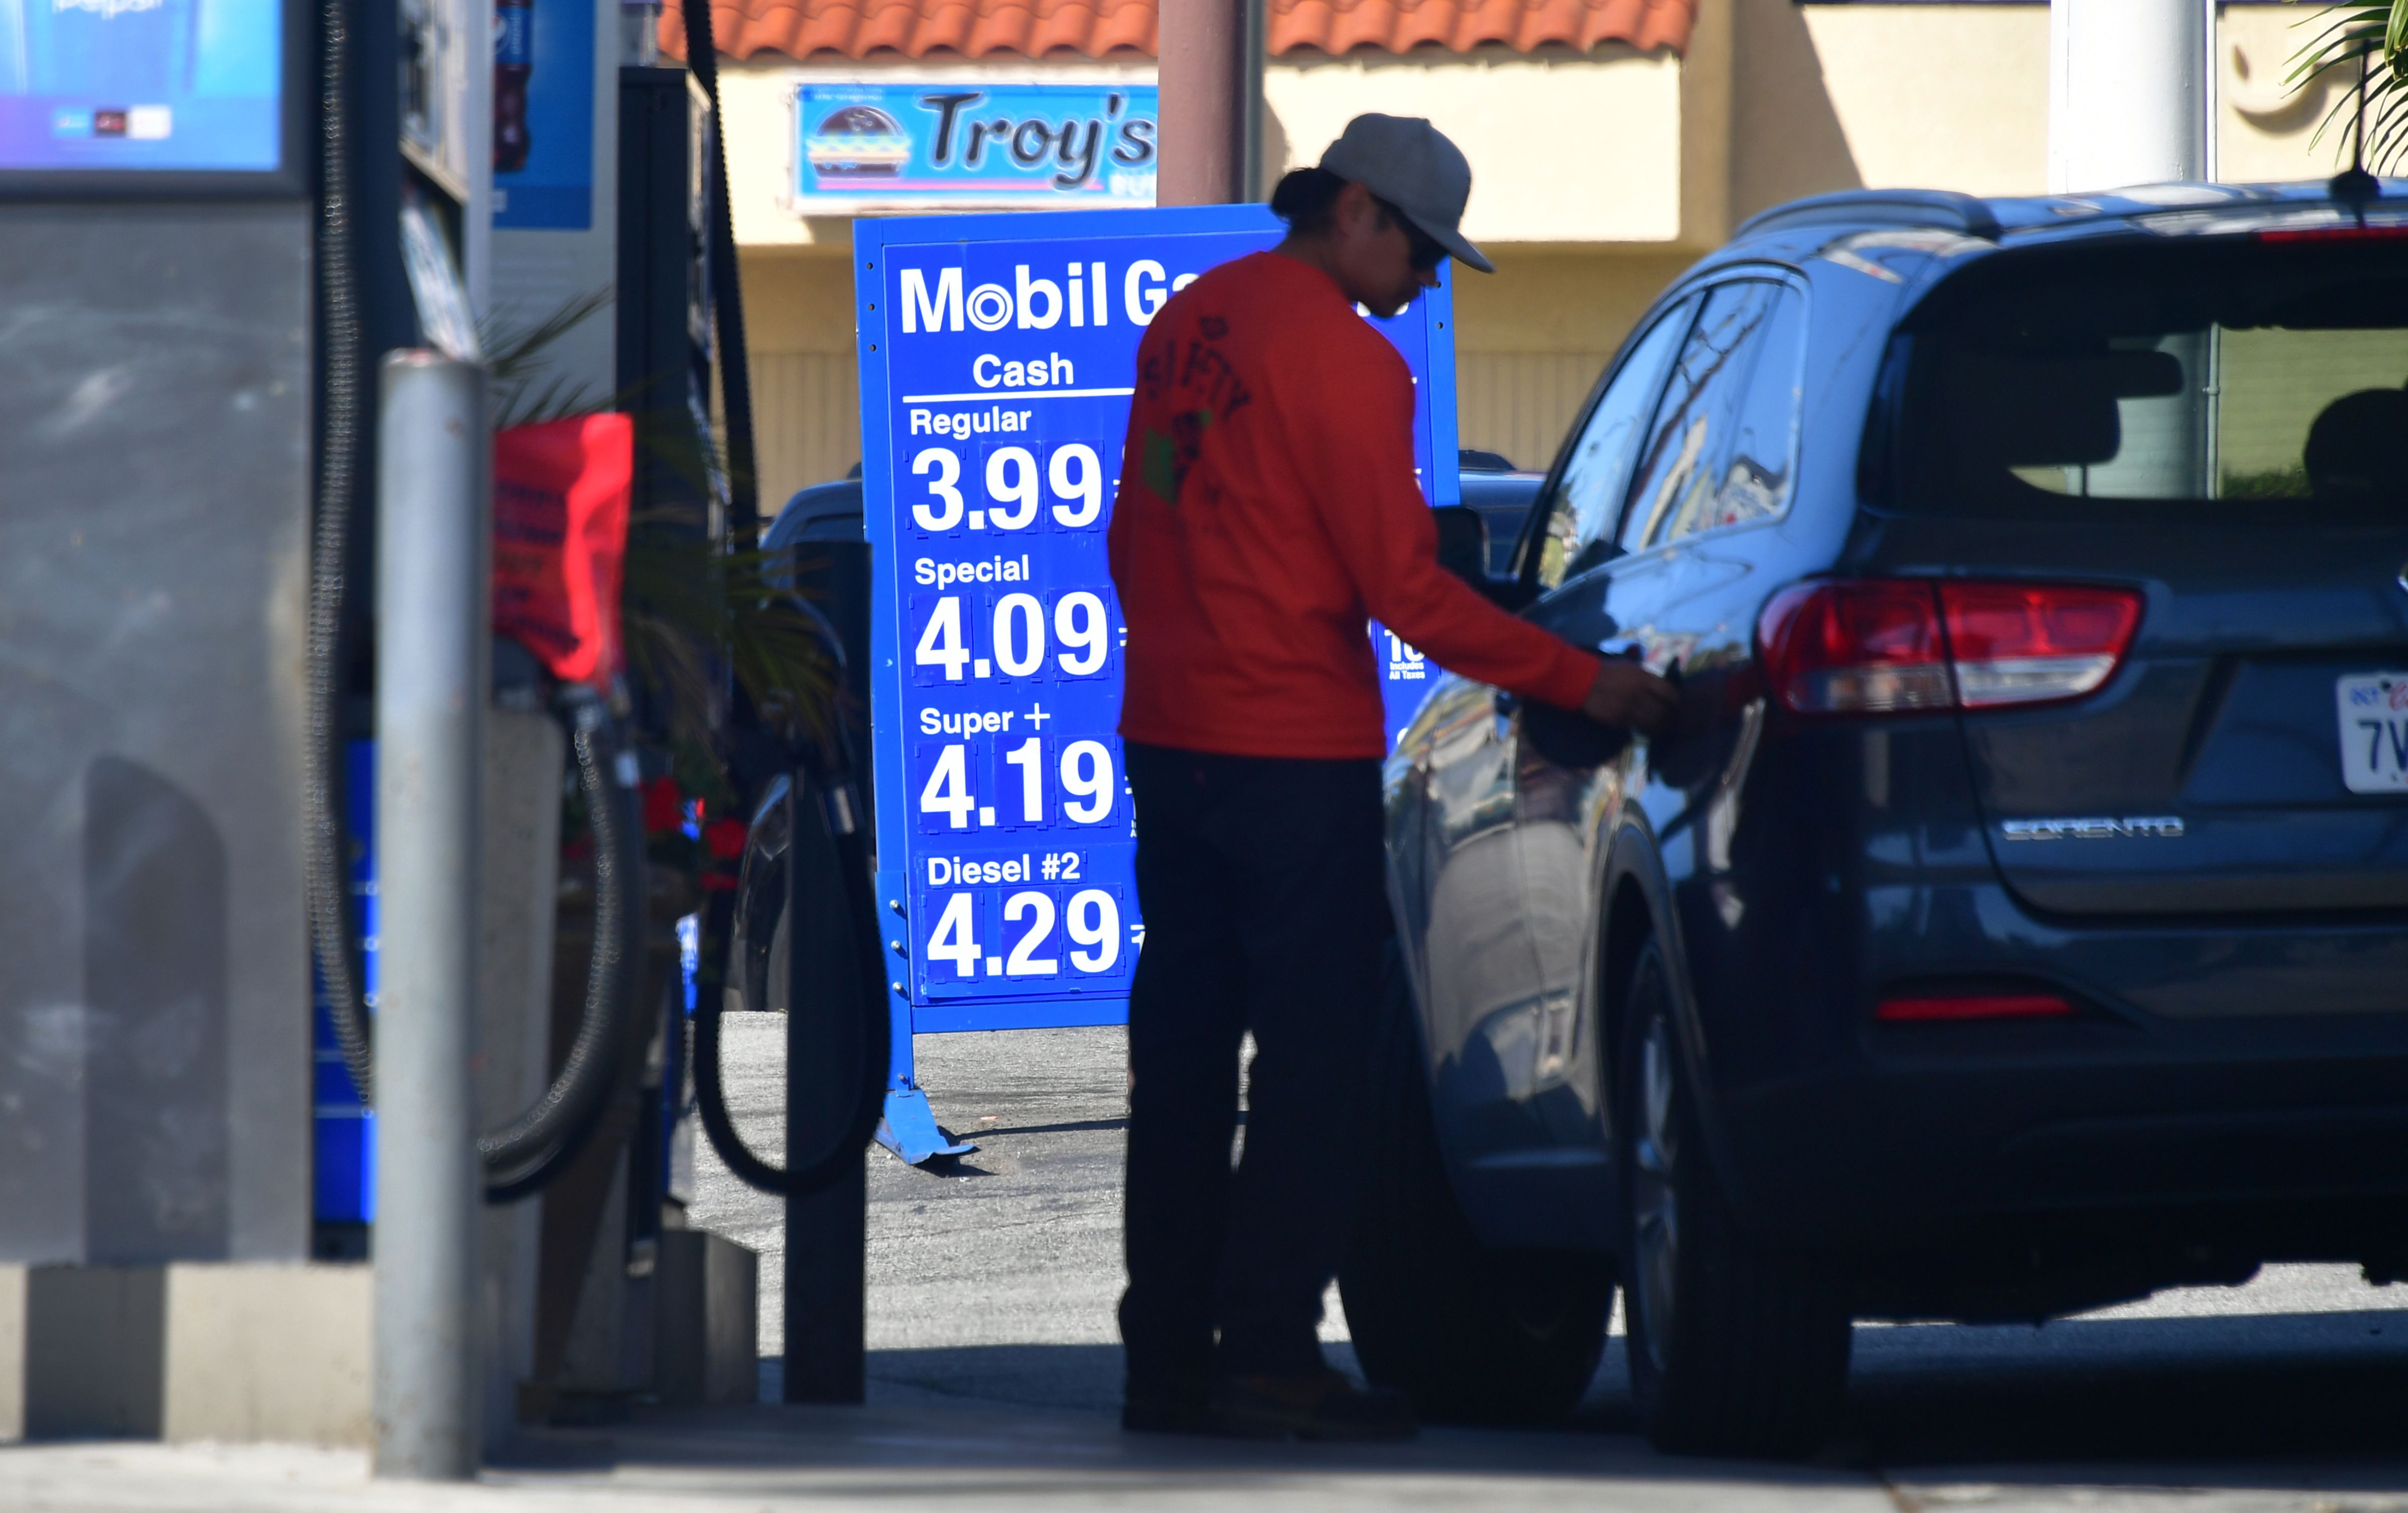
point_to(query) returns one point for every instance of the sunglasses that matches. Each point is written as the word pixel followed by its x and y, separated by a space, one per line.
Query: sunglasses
pixel 1426 253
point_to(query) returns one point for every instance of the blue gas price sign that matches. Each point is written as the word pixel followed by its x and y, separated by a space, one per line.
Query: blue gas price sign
pixel 998 354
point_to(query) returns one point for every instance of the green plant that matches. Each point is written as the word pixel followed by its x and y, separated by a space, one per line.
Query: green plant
pixel 697 612
pixel 2368 42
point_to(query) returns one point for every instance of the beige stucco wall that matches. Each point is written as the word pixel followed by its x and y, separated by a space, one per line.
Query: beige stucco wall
pixel 1955 96
pixel 806 399
pixel 1563 148
pixel 1848 96
pixel 2264 132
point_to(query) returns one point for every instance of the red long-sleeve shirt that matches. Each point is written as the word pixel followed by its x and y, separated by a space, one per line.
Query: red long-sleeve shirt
pixel 1268 510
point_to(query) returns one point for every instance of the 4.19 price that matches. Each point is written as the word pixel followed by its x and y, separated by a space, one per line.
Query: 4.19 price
pixel 1085 770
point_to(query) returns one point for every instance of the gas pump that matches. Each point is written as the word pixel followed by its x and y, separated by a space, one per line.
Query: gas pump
pixel 214 230
pixel 214 213
pixel 210 236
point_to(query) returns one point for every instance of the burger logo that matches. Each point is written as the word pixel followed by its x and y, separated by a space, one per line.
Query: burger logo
pixel 858 142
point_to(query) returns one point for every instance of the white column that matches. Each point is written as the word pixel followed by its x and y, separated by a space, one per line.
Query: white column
pixel 2128 92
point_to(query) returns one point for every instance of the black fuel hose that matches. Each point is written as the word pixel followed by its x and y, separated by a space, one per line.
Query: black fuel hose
pixel 525 1154
pixel 339 448
pixel 727 289
pixel 829 798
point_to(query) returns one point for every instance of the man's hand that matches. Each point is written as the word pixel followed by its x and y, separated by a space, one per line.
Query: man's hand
pixel 1627 694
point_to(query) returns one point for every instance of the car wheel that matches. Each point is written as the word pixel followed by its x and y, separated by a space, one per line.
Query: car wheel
pixel 1735 1349
pixel 1472 1335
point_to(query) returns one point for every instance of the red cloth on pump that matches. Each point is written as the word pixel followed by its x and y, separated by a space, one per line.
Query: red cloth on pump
pixel 1268 510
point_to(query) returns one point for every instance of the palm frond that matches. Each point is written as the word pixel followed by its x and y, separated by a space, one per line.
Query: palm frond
pixel 697 613
pixel 515 361
pixel 2366 45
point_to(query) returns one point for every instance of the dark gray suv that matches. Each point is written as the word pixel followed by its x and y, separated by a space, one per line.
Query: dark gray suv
pixel 2017 919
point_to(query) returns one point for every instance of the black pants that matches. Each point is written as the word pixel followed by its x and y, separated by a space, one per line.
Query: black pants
pixel 1262 886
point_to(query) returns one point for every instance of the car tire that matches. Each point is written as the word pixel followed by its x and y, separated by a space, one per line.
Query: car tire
pixel 1471 1335
pixel 1736 1349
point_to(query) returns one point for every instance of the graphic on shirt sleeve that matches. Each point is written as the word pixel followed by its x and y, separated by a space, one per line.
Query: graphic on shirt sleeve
pixel 1167 458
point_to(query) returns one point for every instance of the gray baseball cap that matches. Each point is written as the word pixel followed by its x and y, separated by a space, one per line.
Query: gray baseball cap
pixel 1409 163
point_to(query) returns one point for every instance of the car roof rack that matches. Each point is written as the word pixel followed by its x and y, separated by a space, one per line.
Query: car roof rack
pixel 1944 210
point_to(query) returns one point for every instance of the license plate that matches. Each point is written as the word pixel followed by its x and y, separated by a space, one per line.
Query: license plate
pixel 2373 708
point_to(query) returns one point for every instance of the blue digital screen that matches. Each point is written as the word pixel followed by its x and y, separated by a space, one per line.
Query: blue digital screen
pixel 999 355
pixel 149 85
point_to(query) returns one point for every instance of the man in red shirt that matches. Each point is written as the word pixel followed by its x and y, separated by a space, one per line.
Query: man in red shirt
pixel 1268 510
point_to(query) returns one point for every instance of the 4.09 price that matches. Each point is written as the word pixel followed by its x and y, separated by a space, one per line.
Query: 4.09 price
pixel 1016 644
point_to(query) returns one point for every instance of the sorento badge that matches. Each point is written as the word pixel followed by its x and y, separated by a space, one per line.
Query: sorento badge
pixel 2101 827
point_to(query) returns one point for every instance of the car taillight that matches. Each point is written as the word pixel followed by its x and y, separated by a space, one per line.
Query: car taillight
pixel 2381 231
pixel 1892 645
pixel 2018 644
pixel 1865 648
pixel 1972 1006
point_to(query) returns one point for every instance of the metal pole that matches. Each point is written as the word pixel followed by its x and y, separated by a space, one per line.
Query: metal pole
pixel 1254 176
pixel 2128 92
pixel 826 1280
pixel 433 544
pixel 1203 78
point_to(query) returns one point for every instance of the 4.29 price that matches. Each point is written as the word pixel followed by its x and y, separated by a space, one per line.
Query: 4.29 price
pixel 1091 918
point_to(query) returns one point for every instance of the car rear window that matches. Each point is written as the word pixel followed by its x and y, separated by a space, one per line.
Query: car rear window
pixel 2097 381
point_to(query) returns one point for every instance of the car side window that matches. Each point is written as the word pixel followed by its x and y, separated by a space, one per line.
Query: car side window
pixel 1676 492
pixel 1763 467
pixel 1578 532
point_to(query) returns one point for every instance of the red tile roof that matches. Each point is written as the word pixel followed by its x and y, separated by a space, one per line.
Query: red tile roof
pixel 1338 26
pixel 1096 28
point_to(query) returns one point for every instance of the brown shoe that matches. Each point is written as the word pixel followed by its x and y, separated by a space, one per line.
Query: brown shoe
pixel 1323 1406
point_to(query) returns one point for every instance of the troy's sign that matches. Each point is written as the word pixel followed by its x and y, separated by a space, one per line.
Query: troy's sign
pixel 903 145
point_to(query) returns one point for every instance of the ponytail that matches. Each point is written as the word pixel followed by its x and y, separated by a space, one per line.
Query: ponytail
pixel 1306 198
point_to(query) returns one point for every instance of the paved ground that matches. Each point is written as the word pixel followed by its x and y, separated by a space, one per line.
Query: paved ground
pixel 1016 1244
pixel 993 1372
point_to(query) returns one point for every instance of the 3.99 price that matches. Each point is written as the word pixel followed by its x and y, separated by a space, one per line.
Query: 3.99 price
pixel 1015 490
pixel 1084 769
pixel 1016 644
pixel 1089 918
